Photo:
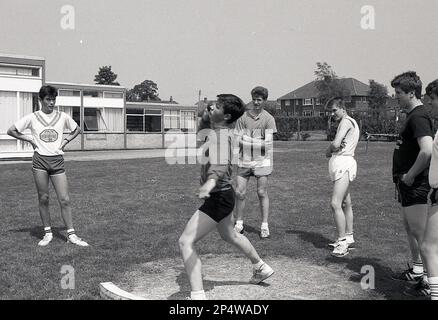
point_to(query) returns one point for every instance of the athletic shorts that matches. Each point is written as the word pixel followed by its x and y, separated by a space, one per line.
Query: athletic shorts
pixel 432 197
pixel 53 165
pixel 340 165
pixel 255 171
pixel 415 194
pixel 219 205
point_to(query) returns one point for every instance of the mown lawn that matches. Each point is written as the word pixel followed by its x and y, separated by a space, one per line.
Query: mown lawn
pixel 133 211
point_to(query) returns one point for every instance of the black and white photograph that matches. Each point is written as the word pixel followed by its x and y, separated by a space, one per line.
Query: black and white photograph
pixel 247 153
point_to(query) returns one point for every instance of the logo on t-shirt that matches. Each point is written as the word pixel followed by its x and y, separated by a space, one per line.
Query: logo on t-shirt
pixel 49 135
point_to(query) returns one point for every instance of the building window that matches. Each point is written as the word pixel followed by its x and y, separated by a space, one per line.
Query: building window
pixel 347 99
pixel 188 120
pixel 307 102
pixel 69 93
pixel 364 99
pixel 308 113
pixel 287 103
pixel 90 119
pixel 113 95
pixel 143 120
pixel 152 121
pixel 321 113
pixel 317 101
pixel 20 71
pixel 297 102
pixel 93 94
pixel 171 120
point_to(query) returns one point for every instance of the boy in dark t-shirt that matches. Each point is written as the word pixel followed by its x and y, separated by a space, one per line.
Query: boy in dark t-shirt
pixel 410 167
pixel 219 196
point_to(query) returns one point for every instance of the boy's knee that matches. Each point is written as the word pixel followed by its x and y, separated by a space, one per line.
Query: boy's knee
pixel 262 193
pixel 427 248
pixel 240 195
pixel 184 242
pixel 43 198
pixel 335 204
pixel 64 202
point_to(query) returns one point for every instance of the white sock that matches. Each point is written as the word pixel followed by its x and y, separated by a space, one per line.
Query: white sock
pixel 70 232
pixel 425 276
pixel 48 230
pixel 258 264
pixel 418 267
pixel 349 236
pixel 433 283
pixel 198 295
pixel 264 225
pixel 239 223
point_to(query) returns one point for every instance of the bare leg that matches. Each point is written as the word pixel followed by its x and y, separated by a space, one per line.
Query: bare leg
pixel 348 211
pixel 242 184
pixel 340 190
pixel 226 230
pixel 415 218
pixel 42 184
pixel 61 187
pixel 197 228
pixel 262 192
pixel 429 246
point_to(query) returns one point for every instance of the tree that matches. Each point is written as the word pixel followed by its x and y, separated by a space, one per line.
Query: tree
pixel 145 91
pixel 328 83
pixel 106 76
pixel 377 97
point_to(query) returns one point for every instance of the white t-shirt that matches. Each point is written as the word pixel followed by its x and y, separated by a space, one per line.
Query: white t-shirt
pixel 47 130
pixel 433 169
pixel 348 127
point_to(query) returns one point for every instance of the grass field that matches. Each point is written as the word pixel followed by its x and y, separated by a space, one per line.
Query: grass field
pixel 133 211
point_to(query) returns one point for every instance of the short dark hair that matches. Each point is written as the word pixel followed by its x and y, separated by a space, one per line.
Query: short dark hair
pixel 408 81
pixel 339 101
pixel 432 88
pixel 232 105
pixel 260 91
pixel 48 91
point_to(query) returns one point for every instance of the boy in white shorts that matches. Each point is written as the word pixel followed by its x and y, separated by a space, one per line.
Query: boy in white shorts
pixel 342 170
pixel 47 129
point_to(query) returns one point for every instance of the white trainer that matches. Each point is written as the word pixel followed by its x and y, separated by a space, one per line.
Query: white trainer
pixel 238 228
pixel 76 240
pixel 261 274
pixel 46 240
pixel 341 249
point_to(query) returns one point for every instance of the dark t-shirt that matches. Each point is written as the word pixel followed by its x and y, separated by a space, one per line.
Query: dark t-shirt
pixel 418 124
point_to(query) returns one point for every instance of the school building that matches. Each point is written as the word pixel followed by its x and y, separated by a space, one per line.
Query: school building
pixel 106 119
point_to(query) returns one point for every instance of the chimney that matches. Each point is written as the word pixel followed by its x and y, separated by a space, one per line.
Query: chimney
pixel 171 99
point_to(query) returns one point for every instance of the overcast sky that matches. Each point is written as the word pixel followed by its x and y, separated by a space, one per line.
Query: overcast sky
pixel 223 46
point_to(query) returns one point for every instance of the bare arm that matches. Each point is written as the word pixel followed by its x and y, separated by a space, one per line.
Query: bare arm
pixel 70 137
pixel 13 132
pixel 336 144
pixel 422 161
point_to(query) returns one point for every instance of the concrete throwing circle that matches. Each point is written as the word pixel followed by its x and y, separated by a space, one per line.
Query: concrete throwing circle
pixel 226 277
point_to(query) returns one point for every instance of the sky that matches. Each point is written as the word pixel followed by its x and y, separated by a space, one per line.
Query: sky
pixel 223 46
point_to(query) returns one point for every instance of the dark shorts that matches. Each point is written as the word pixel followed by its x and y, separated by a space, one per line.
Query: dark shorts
pixel 219 205
pixel 432 197
pixel 53 165
pixel 415 194
pixel 255 172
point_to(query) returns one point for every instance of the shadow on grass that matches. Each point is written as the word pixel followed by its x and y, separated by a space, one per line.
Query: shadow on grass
pixel 363 267
pixel 318 240
pixel 38 232
pixel 183 281
pixel 360 266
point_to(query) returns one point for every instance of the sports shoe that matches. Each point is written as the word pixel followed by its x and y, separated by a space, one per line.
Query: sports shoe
pixel 46 240
pixel 238 228
pixel 350 243
pixel 341 249
pixel 407 275
pixel 264 233
pixel 420 289
pixel 261 274
pixel 76 240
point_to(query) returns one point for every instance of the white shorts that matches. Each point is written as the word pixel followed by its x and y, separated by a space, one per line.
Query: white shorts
pixel 339 165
